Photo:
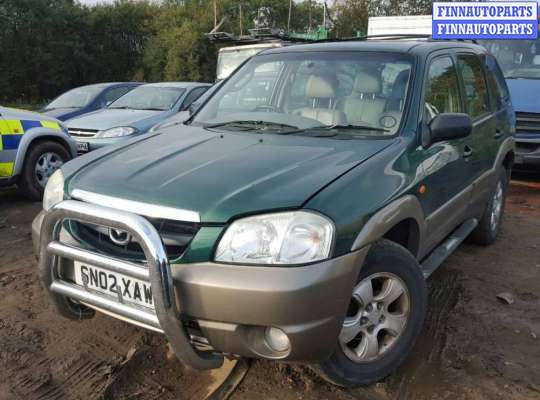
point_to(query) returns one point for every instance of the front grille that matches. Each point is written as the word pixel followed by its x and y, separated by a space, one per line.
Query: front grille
pixel 79 132
pixel 176 236
pixel 524 147
pixel 527 122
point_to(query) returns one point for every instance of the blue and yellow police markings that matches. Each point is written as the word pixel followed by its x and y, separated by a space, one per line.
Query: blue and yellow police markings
pixel 11 132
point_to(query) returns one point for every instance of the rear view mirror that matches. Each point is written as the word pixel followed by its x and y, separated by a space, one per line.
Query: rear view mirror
pixel 448 126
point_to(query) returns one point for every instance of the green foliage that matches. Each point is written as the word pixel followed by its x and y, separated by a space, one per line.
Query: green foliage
pixel 49 46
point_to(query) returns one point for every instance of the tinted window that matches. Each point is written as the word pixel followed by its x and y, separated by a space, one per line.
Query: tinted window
pixel 115 93
pixel 442 90
pixel 79 97
pixel 476 94
pixel 193 95
pixel 146 97
pixel 496 77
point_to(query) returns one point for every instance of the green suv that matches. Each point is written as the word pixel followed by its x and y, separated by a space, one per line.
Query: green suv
pixel 297 214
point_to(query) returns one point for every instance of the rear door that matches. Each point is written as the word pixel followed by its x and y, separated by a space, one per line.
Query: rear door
pixel 481 146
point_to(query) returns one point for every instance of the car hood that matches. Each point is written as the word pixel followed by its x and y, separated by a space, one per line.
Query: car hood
pixel 524 94
pixel 111 118
pixel 220 175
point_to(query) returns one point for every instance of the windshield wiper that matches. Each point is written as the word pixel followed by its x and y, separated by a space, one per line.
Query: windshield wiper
pixel 253 124
pixel 121 108
pixel 153 109
pixel 348 127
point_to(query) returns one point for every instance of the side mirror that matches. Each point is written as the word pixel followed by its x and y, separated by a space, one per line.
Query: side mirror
pixel 448 126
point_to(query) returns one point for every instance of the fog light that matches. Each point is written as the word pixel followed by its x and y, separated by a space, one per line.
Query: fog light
pixel 277 339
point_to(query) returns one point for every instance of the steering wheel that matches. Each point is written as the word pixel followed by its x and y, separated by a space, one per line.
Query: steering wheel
pixel 265 107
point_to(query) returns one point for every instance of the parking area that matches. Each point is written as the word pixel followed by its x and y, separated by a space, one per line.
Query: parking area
pixel 474 346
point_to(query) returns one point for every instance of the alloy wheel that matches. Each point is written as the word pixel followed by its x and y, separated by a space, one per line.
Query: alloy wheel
pixel 497 206
pixel 376 317
pixel 46 164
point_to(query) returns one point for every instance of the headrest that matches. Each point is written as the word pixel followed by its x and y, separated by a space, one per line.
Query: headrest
pixel 319 87
pixel 536 60
pixel 366 83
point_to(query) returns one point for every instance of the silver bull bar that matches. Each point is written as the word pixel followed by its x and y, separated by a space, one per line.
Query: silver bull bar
pixel 68 297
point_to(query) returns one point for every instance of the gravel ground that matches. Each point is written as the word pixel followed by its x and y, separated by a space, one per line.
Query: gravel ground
pixel 473 346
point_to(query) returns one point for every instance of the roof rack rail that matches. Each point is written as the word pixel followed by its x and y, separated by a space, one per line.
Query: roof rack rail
pixel 397 36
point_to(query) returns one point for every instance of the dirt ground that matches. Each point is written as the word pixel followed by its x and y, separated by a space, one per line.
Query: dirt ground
pixel 473 346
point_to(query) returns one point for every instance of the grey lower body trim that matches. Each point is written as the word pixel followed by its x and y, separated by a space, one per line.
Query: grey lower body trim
pixel 234 304
pixel 386 218
pixel 445 219
pixel 441 253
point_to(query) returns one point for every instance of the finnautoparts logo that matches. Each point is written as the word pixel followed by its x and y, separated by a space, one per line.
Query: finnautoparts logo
pixel 491 20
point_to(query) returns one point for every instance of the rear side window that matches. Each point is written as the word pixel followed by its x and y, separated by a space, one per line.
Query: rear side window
pixel 496 81
pixel 474 82
pixel 442 89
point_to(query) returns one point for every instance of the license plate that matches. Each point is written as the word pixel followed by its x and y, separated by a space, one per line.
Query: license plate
pixel 101 280
pixel 82 147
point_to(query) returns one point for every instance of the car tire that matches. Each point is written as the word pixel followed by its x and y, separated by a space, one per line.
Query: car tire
pixel 388 268
pixel 42 159
pixel 490 224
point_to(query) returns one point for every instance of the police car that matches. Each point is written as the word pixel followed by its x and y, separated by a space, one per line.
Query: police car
pixel 32 147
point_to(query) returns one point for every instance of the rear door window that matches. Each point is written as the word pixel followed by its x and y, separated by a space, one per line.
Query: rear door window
pixel 474 82
pixel 496 81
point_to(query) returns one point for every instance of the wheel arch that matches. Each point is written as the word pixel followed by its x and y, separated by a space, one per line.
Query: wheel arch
pixel 402 221
pixel 31 138
pixel 508 162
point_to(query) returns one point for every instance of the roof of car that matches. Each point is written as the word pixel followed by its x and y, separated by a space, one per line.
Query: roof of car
pixel 107 84
pixel 178 84
pixel 413 46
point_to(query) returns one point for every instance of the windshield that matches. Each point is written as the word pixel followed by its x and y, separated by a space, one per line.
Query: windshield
pixel 229 60
pixel 75 98
pixel 517 58
pixel 355 93
pixel 149 98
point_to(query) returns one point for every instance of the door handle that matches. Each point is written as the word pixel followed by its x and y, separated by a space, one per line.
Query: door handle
pixel 498 133
pixel 467 152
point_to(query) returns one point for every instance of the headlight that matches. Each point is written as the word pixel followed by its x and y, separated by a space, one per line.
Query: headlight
pixel 117 132
pixel 296 237
pixel 54 190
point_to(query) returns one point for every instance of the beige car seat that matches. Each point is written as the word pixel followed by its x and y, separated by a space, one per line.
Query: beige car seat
pixel 319 88
pixel 363 105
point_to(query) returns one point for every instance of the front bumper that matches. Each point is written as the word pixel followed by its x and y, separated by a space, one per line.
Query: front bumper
pixel 527 149
pixel 230 306
pixel 95 144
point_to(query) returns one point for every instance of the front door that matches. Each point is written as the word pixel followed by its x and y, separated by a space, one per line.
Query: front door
pixel 446 171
